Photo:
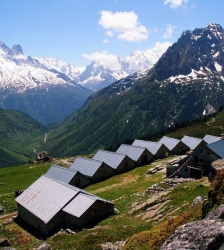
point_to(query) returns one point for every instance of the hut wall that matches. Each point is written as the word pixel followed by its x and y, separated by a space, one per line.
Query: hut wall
pixel 129 164
pixel 145 158
pixel 180 149
pixel 162 152
pixel 121 168
pixel 103 173
pixel 37 223
pixel 204 158
pixel 98 211
pixel 80 181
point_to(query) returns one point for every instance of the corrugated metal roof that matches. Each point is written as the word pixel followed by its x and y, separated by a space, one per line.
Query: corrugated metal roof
pixel 45 197
pixel 79 204
pixel 131 151
pixel 217 147
pixel 211 138
pixel 153 147
pixel 169 142
pixel 110 158
pixel 61 173
pixel 86 166
pixel 191 142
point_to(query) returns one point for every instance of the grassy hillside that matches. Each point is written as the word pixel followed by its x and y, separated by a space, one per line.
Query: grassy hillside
pixel 19 134
pixel 133 204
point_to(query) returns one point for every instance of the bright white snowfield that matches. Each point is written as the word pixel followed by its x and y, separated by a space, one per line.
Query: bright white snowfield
pixel 19 72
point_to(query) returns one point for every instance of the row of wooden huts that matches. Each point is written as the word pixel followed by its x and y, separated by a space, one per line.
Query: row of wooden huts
pixel 105 164
pixel 56 198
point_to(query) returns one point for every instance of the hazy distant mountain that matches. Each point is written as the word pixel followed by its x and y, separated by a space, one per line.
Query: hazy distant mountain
pixel 98 75
pixel 68 69
pixel 29 86
pixel 186 83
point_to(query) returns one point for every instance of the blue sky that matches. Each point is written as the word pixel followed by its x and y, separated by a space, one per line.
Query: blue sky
pixel 78 31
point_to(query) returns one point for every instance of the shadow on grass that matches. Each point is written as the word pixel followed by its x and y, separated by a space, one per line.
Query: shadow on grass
pixel 61 228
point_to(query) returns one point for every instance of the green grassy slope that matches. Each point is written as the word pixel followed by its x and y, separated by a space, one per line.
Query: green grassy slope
pixel 125 190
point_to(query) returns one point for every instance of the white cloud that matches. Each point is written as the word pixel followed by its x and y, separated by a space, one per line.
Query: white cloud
pixel 109 33
pixel 125 24
pixel 169 31
pixel 106 40
pixel 162 46
pixel 103 58
pixel 176 3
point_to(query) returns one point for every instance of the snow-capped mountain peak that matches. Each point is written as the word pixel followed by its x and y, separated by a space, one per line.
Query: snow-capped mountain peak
pixel 17 50
pixel 98 75
pixel 27 85
pixel 197 50
pixel 19 72
pixel 55 63
pixel 4 50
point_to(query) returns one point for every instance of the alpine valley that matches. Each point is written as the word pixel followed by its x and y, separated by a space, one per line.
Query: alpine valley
pixel 49 89
pixel 186 83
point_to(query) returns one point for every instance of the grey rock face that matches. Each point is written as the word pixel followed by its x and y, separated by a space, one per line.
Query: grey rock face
pixel 207 234
pixel 199 200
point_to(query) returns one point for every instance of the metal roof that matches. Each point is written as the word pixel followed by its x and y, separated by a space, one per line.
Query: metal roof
pixel 110 158
pixel 131 151
pixel 217 147
pixel 86 166
pixel 211 138
pixel 46 197
pixel 191 142
pixel 79 205
pixel 61 173
pixel 153 147
pixel 170 143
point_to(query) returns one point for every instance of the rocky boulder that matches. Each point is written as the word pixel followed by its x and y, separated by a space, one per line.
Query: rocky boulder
pixel 44 246
pixel 207 234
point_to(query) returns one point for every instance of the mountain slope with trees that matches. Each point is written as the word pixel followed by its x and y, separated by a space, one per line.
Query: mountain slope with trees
pixel 151 100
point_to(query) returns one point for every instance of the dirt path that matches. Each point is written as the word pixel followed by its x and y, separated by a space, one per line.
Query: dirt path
pixel 208 123
pixel 125 180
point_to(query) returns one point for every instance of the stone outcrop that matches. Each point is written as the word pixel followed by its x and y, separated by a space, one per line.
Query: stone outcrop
pixel 43 156
pixel 199 200
pixel 44 246
pixel 113 246
pixel 207 234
